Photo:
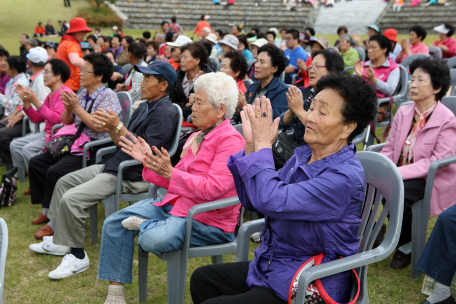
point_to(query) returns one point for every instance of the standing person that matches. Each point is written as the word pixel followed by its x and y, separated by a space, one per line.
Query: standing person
pixel 200 25
pixel 416 46
pixel 293 52
pixel 49 28
pixel 22 50
pixel 39 30
pixel 175 27
pixel 445 43
pixel 67 3
pixel 4 78
pixel 70 50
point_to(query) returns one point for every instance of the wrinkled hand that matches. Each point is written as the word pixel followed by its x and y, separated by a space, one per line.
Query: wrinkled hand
pixel 301 64
pixel 404 44
pixel 136 147
pixel 121 87
pixel 356 38
pixel 264 129
pixel 370 74
pixel 27 95
pixel 106 120
pixel 295 100
pixel 359 69
pixel 242 101
pixel 69 99
pixel 116 76
pixel 12 121
pixel 160 164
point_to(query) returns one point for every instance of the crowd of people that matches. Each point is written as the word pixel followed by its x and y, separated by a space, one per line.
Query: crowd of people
pixel 287 79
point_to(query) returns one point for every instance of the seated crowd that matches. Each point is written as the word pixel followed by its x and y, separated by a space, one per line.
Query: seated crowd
pixel 221 80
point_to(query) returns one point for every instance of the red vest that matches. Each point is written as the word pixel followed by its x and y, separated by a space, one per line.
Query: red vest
pixel 381 73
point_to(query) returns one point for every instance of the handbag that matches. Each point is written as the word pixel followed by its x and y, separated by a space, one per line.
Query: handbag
pixel 282 149
pixel 315 293
pixel 8 190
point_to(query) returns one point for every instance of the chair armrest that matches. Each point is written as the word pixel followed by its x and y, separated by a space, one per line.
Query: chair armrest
pixel 242 251
pixel 91 144
pixel 103 152
pixel 375 148
pixel 55 127
pixel 431 176
pixel 25 120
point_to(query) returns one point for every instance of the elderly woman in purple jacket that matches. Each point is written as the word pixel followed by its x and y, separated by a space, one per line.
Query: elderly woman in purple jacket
pixel 311 206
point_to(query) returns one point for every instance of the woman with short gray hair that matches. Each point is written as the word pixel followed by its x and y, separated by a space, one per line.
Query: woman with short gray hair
pixel 200 176
pixel 348 53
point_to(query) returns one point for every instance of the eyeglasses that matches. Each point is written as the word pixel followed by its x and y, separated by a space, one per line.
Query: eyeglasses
pixel 84 71
pixel 315 67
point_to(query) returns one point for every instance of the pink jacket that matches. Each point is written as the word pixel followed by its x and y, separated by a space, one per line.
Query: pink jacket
pixel 204 178
pixel 78 146
pixel 437 140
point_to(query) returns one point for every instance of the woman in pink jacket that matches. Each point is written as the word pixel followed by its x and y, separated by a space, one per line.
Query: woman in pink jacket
pixel 200 176
pixel 422 133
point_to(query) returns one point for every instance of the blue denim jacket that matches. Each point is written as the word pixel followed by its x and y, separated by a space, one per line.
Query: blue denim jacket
pixel 309 209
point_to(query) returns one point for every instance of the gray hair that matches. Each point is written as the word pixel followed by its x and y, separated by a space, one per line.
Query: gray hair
pixel 206 29
pixel 347 38
pixel 220 89
pixel 31 41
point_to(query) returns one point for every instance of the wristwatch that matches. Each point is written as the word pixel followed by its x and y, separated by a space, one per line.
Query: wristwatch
pixel 118 128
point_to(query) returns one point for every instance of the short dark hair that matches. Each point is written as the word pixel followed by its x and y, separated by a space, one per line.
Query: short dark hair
pixel 311 30
pixel 39 23
pixel 117 36
pixel 97 29
pixel 277 57
pixel 94 39
pixel 17 62
pixel 128 39
pixel 419 30
pixel 137 49
pixel 383 42
pixel 59 67
pixel 450 27
pixel 164 22
pixel 109 39
pixel 102 37
pixel 208 46
pixel 334 62
pixel 238 63
pixel 160 79
pixel 169 37
pixel 220 32
pixel 197 50
pixel 173 19
pixel 360 99
pixel 271 33
pixel 261 35
pixel 283 29
pixel 153 44
pixel 244 42
pixel 140 40
pixel 26 36
pixel 202 16
pixel 294 33
pixel 146 34
pixel 437 70
pixel 108 51
pixel 102 66
pixel 250 35
pixel 342 28
pixel 4 53
pixel 257 30
pixel 236 26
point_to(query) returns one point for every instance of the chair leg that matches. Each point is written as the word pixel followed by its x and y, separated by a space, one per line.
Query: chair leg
pixel 177 275
pixel 110 206
pixel 420 220
pixel 93 224
pixel 217 259
pixel 21 175
pixel 143 259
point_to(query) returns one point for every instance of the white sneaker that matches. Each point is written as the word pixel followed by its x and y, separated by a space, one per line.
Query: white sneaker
pixel 48 247
pixel 69 267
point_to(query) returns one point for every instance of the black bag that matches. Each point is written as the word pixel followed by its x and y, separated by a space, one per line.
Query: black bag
pixel 283 149
pixel 8 190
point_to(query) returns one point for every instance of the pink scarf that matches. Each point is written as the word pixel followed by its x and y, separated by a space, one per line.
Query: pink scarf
pixel 409 145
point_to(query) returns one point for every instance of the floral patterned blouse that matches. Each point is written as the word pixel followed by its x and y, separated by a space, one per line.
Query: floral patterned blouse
pixel 10 101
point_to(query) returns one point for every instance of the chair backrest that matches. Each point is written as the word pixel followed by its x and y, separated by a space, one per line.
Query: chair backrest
pixel 126 68
pixel 403 88
pixel 360 138
pixel 383 180
pixel 251 62
pixel 450 103
pixel 126 103
pixel 409 59
pixel 215 64
pixel 282 76
pixel 452 63
pixel 361 53
pixel 248 82
pixel 453 82
pixel 435 52
pixel 294 78
pixel 238 128
pixel 406 103
pixel 331 48
pixel 177 135
pixel 3 251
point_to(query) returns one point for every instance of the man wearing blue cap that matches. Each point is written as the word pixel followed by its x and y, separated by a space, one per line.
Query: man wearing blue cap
pixel 155 121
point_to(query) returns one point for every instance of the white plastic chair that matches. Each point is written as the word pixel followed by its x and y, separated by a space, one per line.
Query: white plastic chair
pixel 3 252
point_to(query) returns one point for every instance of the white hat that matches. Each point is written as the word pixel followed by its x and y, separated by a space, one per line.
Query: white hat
pixel 231 41
pixel 180 41
pixel 37 55
pixel 206 17
pixel 115 28
pixel 441 29
pixel 212 38
pixel 207 29
pixel 273 29
pixel 260 42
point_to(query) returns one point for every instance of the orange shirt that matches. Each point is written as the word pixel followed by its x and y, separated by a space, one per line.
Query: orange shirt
pixel 40 30
pixel 199 27
pixel 174 65
pixel 66 47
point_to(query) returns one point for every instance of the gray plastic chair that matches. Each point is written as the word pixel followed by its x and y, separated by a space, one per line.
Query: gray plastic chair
pixel 383 180
pixel 409 59
pixel 420 210
pixel 112 202
pixel 177 260
pixel 362 138
pixel 36 127
pixel 361 53
pixel 125 103
pixel 435 52
pixel 451 63
pixel 453 82
pixel 215 64
pixel 251 62
pixel 282 76
pixel 248 82
pixel 238 128
pixel 3 252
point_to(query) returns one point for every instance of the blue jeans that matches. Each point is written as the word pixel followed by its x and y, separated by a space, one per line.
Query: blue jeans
pixel 162 233
pixel 439 256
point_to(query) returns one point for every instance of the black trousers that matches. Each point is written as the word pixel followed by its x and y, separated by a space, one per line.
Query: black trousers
pixel 45 171
pixel 6 137
pixel 413 192
pixel 67 2
pixel 226 284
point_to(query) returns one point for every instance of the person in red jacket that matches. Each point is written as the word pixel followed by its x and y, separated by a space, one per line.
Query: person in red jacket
pixel 200 25
pixel 39 30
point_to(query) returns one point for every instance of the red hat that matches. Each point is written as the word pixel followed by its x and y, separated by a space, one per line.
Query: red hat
pixel 391 34
pixel 78 25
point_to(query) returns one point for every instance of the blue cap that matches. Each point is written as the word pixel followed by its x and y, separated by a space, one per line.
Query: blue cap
pixel 86 46
pixel 51 44
pixel 375 28
pixel 159 67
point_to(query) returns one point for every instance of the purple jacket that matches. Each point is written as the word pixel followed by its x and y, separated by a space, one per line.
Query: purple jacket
pixel 309 209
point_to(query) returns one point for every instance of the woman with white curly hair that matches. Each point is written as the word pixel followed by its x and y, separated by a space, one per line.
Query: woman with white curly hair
pixel 200 176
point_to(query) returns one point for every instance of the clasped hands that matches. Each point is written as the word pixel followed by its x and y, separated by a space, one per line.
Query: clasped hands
pixel 260 130
pixel 27 95
pixel 359 70
pixel 137 148
pixel 70 100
